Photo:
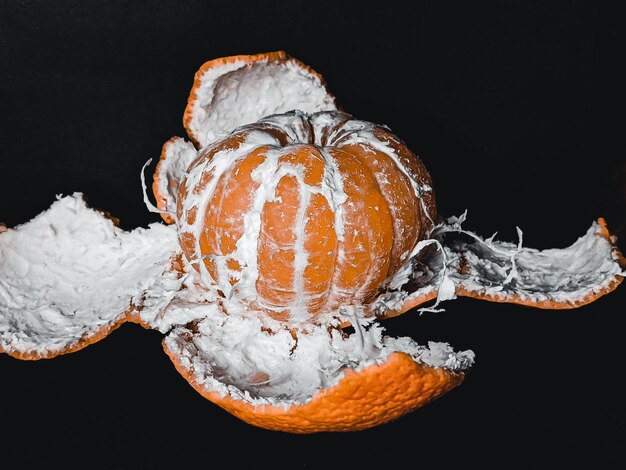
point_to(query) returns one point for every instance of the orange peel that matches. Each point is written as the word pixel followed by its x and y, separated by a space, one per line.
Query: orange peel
pixel 567 285
pixel 377 395
pixel 176 156
pixel 70 276
pixel 232 91
pixel 248 332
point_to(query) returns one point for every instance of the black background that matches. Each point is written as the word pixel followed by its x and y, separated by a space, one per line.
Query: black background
pixel 516 108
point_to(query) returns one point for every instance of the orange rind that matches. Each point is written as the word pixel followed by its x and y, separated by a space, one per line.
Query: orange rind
pixel 232 91
pixel 288 221
pixel 564 284
pixel 176 156
pixel 69 277
pixel 374 395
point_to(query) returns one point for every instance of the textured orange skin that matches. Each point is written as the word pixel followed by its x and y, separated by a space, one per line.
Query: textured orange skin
pixel 279 57
pixel 383 219
pixel 370 397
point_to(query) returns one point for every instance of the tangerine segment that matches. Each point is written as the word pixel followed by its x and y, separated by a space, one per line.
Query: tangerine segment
pixel 297 238
pixel 233 91
pixel 202 191
pixel 223 224
pixel 418 173
pixel 362 399
pixel 403 205
pixel 276 252
pixel 364 250
pixel 320 244
pixel 394 165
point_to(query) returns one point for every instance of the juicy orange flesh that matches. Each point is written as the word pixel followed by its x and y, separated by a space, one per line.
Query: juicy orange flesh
pixel 287 225
pixel 402 203
pixel 302 260
pixel 276 247
pixel 414 167
pixel 223 225
pixel 321 246
pixel 337 218
pixel 364 254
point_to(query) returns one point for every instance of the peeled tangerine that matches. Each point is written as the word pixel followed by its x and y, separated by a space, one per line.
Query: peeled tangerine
pixel 288 221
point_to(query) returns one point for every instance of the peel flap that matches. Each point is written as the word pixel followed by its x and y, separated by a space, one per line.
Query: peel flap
pixel 69 276
pixel 230 92
pixel 468 265
pixel 272 380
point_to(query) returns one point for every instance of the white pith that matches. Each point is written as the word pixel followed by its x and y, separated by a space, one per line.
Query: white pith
pixel 237 355
pixel 70 272
pixel 239 93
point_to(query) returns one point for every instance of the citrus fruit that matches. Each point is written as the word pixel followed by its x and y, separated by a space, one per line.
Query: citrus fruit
pixel 288 221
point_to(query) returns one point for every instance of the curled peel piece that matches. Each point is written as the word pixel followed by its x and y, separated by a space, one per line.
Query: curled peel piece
pixel 176 156
pixel 497 271
pixel 232 91
pixel 550 279
pixel 370 397
pixel 70 276
pixel 313 383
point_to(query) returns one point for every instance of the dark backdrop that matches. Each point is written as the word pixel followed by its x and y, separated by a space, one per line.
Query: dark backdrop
pixel 517 109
